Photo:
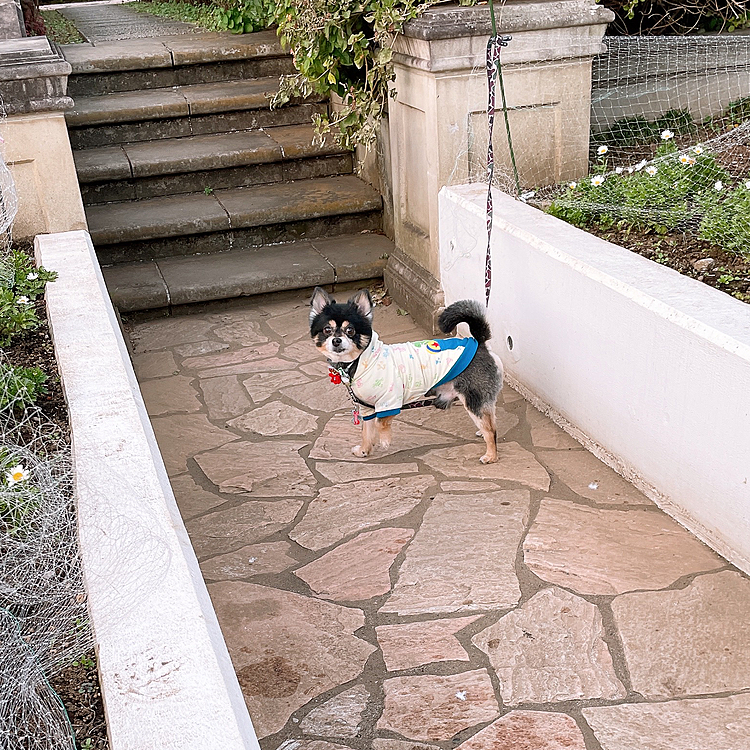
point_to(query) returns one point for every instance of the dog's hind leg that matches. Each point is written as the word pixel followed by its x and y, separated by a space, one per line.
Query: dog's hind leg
pixel 486 422
pixel 369 432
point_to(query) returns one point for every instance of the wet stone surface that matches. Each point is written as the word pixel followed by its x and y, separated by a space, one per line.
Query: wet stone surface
pixel 416 599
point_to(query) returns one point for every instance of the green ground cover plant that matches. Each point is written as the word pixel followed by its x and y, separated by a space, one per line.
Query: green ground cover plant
pixel 238 17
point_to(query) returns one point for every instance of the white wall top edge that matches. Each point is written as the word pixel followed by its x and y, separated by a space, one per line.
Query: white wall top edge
pixel 686 302
pixel 165 672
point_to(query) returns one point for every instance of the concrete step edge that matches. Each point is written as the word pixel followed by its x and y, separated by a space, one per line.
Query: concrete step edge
pixel 229 209
pixel 167 282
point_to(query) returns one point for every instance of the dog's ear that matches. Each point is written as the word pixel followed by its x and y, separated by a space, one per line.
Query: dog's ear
pixel 363 302
pixel 319 300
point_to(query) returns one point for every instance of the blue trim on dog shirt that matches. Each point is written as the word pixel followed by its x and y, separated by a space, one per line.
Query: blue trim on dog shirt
pixel 470 346
pixel 380 415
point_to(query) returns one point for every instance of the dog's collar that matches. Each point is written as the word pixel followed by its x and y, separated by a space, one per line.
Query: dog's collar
pixel 346 370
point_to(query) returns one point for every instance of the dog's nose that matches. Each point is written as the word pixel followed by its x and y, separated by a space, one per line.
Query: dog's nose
pixel 336 342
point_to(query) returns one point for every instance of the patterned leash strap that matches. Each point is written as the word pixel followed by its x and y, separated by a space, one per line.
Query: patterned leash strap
pixel 494 45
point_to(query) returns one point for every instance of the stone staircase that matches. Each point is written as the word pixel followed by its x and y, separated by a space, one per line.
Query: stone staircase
pixel 195 190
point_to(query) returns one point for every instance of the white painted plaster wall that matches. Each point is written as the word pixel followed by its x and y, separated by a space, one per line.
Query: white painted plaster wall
pixel 651 367
pixel 166 676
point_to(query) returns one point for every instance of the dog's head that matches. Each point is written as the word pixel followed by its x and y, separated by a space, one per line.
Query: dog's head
pixel 341 332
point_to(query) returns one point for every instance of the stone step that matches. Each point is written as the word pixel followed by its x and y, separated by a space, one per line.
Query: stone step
pixel 166 282
pixel 171 166
pixel 232 219
pixel 180 111
pixel 136 64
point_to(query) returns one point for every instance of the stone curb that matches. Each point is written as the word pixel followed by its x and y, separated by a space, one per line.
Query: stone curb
pixel 165 672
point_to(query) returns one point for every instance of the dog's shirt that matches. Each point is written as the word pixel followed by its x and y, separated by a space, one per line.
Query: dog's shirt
pixel 390 375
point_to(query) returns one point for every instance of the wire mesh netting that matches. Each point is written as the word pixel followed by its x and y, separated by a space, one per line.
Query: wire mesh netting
pixel 664 145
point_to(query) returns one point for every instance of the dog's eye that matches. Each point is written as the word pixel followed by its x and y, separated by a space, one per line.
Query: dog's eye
pixel 328 330
pixel 350 332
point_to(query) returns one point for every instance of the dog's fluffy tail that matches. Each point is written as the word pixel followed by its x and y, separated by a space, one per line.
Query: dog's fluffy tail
pixel 466 311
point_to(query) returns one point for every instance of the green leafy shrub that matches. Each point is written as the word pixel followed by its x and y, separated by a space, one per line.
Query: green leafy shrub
pixel 344 47
pixel 638 130
pixel 20 386
pixel 246 17
pixel 20 285
pixel 681 189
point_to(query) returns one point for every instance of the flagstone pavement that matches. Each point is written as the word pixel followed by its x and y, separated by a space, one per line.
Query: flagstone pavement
pixel 418 599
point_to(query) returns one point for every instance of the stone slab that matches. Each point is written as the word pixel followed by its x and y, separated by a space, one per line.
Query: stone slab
pixel 321 395
pixel 192 499
pixel 266 384
pixel 551 649
pixel 343 509
pixel 173 215
pixel 471 568
pixel 286 648
pixel 514 464
pixel 199 347
pixel 358 569
pixel 240 273
pixel 242 331
pixel 529 730
pixel 413 644
pixel 228 96
pixel 255 353
pixel 435 707
pixel 339 435
pixel 456 421
pixel 181 436
pixel 710 724
pixel 343 471
pixel 590 478
pixel 299 201
pixel 173 395
pixel 217 47
pixel 273 469
pixel 224 397
pixel 252 560
pixel 546 434
pixel 201 152
pixel 381 744
pixel 274 418
pixel 606 551
pixel 154 365
pixel 698 637
pixel 136 286
pixel 103 163
pixel 117 56
pixel 248 367
pixel 228 530
pixel 340 716
pixel 127 106
pixel 469 486
pixel 357 256
pixel 300 141
pixel 168 332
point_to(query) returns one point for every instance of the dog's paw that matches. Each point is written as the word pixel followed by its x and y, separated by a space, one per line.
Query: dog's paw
pixel 359 452
pixel 487 459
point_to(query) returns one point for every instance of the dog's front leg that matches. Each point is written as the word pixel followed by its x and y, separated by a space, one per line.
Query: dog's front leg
pixel 384 427
pixel 369 431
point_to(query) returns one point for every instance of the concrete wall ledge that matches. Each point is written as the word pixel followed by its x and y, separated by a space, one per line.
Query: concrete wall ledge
pixel 648 368
pixel 166 677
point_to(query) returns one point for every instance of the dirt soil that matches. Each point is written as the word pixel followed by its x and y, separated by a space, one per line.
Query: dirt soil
pixel 78 684
pixel 690 256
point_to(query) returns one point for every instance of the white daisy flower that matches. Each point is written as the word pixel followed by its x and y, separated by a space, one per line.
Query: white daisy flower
pixel 652 170
pixel 32 277
pixel 618 170
pixel 666 135
pixel 598 180
pixel 23 300
pixel 630 170
pixel 17 474
pixel 697 149
pixel 747 184
pixel 684 159
pixel 602 150
pixel 718 185
pixel 572 185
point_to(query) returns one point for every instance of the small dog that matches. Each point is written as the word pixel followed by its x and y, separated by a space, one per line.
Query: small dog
pixel 381 377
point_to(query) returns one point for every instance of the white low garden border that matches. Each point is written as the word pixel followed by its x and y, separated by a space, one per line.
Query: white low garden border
pixel 652 367
pixel 166 676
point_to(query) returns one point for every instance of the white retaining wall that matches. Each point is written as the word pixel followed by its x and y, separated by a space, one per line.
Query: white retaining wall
pixel 650 367
pixel 166 677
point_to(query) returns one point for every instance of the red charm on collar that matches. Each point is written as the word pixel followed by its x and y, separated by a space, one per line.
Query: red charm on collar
pixel 334 375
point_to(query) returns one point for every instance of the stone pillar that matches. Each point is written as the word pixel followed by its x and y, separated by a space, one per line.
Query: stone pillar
pixel 11 20
pixel 438 121
pixel 33 85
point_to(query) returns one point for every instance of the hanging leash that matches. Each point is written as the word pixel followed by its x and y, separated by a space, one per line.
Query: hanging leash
pixel 495 72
